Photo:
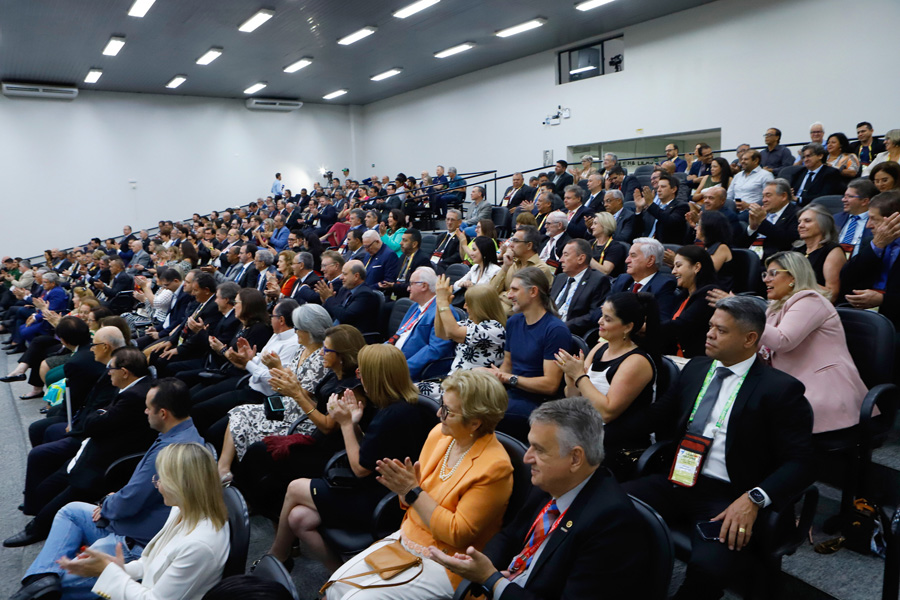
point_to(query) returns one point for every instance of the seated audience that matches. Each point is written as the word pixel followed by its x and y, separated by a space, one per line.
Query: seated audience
pixel 578 289
pixel 446 249
pixel 380 261
pixel 605 552
pixel 841 157
pixel 522 253
pixel 484 228
pixel 774 222
pixel 392 231
pixel 719 175
pixel 685 334
pixel 852 222
pixel 775 156
pixel 729 397
pixel 517 193
pixel 557 238
pixel 891 151
pixel 818 179
pixel 886 176
pixel 804 338
pixel 483 253
pixel 131 517
pixel 607 253
pixel 614 203
pixel 866 147
pixel 642 275
pixel 411 258
pixel 479 210
pixel 454 497
pixel 661 218
pixel 188 555
pixel 355 303
pixel 416 336
pixel 819 240
pixel 397 431
pixel 575 211
pixel 618 376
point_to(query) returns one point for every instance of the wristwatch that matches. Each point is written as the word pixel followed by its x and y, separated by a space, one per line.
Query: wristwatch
pixel 412 495
pixel 513 380
pixel 757 497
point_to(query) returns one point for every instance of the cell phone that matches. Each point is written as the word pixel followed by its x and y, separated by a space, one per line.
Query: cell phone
pixel 709 530
pixel 274 408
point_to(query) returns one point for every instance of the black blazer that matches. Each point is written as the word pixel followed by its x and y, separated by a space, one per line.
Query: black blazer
pixel 625 226
pixel 769 441
pixel 589 296
pixel 248 279
pixel 305 292
pixel 122 282
pixel 178 312
pixel 671 227
pixel 196 344
pixel 116 431
pixel 450 248
pixel 358 307
pixel 401 287
pixel 877 148
pixel 841 219
pixel 779 236
pixel 597 546
pixel 565 179
pixel 690 328
pixel 525 193
pixel 661 285
pixel 577 228
pixel 100 395
pixel 827 182
pixel 863 270
pixel 82 373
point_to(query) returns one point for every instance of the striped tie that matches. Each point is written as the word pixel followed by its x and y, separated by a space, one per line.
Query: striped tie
pixel 850 234
pixel 539 531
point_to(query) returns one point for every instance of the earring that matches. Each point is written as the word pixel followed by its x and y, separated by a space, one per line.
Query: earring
pixel 791 284
pixel 624 337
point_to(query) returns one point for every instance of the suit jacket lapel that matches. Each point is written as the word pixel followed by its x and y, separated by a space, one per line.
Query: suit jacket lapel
pixel 753 378
pixel 477 448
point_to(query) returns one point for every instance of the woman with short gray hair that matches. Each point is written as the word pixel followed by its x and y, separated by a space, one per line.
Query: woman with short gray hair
pixel 891 152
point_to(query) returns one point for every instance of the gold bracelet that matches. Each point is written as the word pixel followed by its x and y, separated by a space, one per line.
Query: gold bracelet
pixel 310 411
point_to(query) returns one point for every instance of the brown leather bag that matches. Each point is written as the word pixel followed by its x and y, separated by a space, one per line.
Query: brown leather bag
pixel 387 562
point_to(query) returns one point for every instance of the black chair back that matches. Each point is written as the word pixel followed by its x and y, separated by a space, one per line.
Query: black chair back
pixel 834 204
pixel 270 568
pixel 120 471
pixel 395 320
pixel 502 220
pixel 429 241
pixel 456 272
pixel 660 556
pixel 747 268
pixel 239 525
pixel 521 474
pixel 788 172
pixel 666 375
pixel 579 345
pixel 870 339
pixel 432 404
pixel 644 170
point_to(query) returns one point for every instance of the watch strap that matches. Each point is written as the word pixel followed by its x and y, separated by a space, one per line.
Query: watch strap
pixel 490 582
pixel 412 495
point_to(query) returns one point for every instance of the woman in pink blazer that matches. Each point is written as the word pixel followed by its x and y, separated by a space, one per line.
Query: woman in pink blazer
pixel 804 338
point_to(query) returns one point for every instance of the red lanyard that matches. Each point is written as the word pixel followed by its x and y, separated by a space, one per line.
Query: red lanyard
pixel 411 322
pixel 520 560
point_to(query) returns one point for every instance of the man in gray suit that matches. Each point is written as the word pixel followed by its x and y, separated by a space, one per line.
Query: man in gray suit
pixel 478 211
pixel 140 261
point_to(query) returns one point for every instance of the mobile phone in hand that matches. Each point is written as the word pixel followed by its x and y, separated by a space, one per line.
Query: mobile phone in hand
pixel 709 530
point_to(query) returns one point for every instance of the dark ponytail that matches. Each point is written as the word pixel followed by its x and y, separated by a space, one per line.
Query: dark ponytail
pixel 642 311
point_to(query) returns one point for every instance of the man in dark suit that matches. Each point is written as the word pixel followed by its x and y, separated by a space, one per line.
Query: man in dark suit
pixel 556 240
pixel 411 259
pixel 108 434
pixel 661 218
pixel 594 197
pixel 181 305
pixel 120 280
pixel 865 147
pixel 304 288
pixel 248 275
pixel 588 535
pixel 817 179
pixel 380 261
pixel 642 275
pixel 775 220
pixel 517 193
pixel 561 179
pixel 575 212
pixel 614 203
pixel 730 397
pixel 851 223
pixel 355 304
pixel 446 249
pixel 578 290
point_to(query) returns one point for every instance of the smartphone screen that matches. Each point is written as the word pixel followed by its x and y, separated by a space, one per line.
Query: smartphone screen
pixel 709 530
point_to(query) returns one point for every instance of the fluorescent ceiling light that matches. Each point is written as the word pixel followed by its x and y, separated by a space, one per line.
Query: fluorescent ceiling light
pixel 113 46
pixel 334 94
pixel 255 87
pixel 210 55
pixel 93 76
pixel 414 8
pixel 140 8
pixel 294 67
pixel 357 35
pixel 591 4
pixel 176 81
pixel 256 20
pixel 454 50
pixel 386 74
pixel 581 70
pixel 533 24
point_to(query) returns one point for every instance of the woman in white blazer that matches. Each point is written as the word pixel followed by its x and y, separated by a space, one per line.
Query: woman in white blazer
pixel 186 558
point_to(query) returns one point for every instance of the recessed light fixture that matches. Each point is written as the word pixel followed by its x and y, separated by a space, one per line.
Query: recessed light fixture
pixel 93 76
pixel 255 87
pixel 113 46
pixel 334 94
pixel 176 81
pixel 528 26
pixel 454 50
pixel 386 74
pixel 591 4
pixel 582 70
pixel 256 20
pixel 294 67
pixel 209 56
pixel 357 35
pixel 414 8
pixel 140 8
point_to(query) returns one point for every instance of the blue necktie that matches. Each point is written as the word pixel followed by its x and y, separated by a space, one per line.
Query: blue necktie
pixel 851 230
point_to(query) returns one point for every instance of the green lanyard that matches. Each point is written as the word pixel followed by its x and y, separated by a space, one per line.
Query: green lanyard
pixel 709 376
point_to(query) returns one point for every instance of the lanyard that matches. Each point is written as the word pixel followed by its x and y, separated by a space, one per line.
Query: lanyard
pixel 709 376
pixel 529 552
pixel 414 319
pixel 603 252
pixel 404 271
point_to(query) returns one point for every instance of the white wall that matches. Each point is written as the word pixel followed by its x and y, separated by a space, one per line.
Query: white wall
pixel 735 64
pixel 70 163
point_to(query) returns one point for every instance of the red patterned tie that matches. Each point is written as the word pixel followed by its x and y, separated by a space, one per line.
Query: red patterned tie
pixel 542 526
pixel 636 288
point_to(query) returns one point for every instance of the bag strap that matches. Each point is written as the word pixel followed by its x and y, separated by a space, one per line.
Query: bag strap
pixel 398 568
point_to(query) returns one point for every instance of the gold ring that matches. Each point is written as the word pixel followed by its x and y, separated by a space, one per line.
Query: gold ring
pixel 742 530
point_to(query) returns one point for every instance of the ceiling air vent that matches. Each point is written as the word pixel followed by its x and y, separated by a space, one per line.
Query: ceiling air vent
pixel 39 90
pixel 271 104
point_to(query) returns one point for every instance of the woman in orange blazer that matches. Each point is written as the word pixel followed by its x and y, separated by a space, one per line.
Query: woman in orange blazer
pixel 455 495
pixel 804 338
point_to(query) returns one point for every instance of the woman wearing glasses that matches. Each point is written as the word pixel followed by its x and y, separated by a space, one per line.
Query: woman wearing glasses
pixel 454 495
pixel 804 338
pixel 183 560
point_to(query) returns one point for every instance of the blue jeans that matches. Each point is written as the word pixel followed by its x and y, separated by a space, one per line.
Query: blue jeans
pixel 470 230
pixel 74 527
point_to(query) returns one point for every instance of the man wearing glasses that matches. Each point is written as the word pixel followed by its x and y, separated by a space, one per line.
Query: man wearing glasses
pixel 446 250
pixel 380 261
pixel 521 253
pixel 774 156
pixel 852 222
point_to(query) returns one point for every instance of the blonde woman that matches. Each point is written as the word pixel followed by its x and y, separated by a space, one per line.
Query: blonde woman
pixel 186 557
pixel 818 240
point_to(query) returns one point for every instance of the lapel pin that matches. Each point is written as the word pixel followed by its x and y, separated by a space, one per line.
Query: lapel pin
pixel 568 523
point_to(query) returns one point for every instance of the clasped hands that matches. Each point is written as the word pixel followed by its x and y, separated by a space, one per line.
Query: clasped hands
pixel 91 563
pixel 345 409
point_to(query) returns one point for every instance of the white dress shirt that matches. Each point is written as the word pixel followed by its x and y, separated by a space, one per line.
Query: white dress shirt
pixel 749 187
pixel 285 345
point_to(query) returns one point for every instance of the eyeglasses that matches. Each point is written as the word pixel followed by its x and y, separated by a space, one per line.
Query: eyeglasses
pixel 99 343
pixel 513 240
pixel 771 273
pixel 846 195
pixel 445 412
pixel 112 368
pixel 326 350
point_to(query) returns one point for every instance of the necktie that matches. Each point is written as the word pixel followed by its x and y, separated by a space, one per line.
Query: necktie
pixel 772 217
pixel 563 300
pixel 636 288
pixel 809 180
pixel 539 532
pixel 562 297
pixel 698 424
pixel 850 234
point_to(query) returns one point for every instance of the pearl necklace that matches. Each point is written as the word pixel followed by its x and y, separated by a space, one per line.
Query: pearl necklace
pixel 444 475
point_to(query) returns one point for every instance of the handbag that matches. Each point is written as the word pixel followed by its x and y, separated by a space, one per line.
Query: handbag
pixel 387 562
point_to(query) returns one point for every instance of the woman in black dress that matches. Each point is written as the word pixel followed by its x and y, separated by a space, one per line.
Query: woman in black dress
pixel 685 334
pixel 608 254
pixel 818 240
pixel 714 231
